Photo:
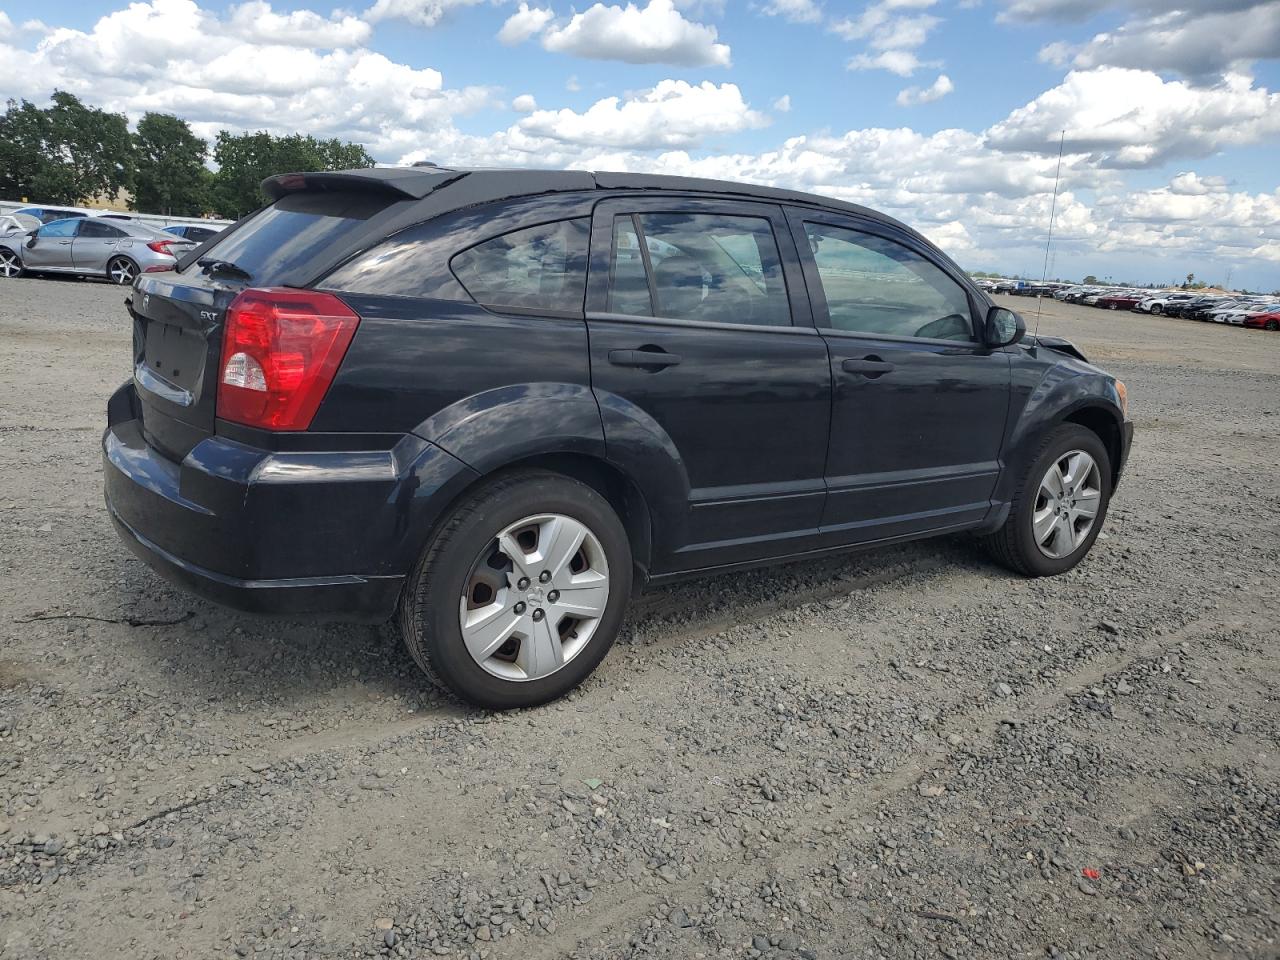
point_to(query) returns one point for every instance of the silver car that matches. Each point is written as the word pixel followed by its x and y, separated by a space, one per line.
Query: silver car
pixel 118 250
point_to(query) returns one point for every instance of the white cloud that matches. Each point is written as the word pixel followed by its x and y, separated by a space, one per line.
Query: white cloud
pixel 525 103
pixel 886 28
pixel 797 11
pixel 902 62
pixel 783 103
pixel 672 114
pixel 935 91
pixel 423 13
pixel 255 21
pixel 1192 184
pixel 655 33
pixel 524 23
pixel 1133 118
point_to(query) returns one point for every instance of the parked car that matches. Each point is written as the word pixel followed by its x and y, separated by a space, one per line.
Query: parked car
pixel 50 214
pixel 410 399
pixel 1185 308
pixel 119 250
pixel 1239 317
pixel 1156 305
pixel 192 232
pixel 1268 320
pixel 1118 301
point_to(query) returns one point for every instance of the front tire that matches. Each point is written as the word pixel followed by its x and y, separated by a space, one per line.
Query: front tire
pixel 1059 506
pixel 520 592
pixel 10 264
pixel 1272 325
pixel 1156 309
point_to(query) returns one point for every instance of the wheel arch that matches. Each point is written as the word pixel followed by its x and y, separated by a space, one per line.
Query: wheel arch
pixel 1107 425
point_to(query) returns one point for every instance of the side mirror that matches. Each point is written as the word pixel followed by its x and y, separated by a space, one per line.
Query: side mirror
pixel 1003 327
pixel 32 237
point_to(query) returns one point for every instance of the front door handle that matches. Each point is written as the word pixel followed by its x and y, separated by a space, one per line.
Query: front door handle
pixel 643 358
pixel 64 242
pixel 870 367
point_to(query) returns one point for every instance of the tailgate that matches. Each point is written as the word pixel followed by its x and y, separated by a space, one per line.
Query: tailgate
pixel 177 341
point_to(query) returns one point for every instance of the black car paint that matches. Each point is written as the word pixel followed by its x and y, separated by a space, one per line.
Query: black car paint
pixel 720 461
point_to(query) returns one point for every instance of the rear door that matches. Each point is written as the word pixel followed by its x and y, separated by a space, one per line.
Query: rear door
pixel 698 323
pixel 52 247
pixel 94 244
pixel 918 404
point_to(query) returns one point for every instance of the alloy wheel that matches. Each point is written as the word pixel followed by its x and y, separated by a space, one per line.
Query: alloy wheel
pixel 534 597
pixel 121 271
pixel 10 265
pixel 1067 504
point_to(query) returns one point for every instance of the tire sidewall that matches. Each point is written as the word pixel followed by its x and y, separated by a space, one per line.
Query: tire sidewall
pixel 1065 438
pixel 133 266
pixel 435 616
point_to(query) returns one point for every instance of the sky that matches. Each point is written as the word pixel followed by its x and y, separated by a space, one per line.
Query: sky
pixel 944 113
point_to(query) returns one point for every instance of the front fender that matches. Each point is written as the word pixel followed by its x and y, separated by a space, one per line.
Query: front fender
pixel 1063 390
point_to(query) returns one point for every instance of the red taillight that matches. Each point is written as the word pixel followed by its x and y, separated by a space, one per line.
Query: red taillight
pixel 160 246
pixel 280 351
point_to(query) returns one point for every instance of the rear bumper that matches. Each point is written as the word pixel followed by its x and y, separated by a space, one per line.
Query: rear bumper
pixel 327 533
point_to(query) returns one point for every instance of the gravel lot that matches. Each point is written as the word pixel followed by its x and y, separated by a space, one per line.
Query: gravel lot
pixel 907 753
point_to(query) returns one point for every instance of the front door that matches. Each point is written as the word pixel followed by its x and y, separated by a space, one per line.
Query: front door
pixel 701 334
pixel 52 249
pixel 919 403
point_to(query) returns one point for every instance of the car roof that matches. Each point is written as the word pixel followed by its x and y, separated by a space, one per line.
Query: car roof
pixel 469 187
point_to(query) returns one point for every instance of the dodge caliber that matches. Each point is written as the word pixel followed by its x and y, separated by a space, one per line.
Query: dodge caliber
pixel 493 404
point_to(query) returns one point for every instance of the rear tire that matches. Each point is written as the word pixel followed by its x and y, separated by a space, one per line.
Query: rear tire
pixel 466 569
pixel 1015 545
pixel 122 271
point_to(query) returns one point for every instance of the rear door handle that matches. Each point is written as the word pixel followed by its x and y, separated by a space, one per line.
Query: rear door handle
pixel 870 367
pixel 643 358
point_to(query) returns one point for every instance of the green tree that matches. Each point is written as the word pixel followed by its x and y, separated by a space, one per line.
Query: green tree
pixel 171 176
pixel 245 160
pixel 1090 279
pixel 64 153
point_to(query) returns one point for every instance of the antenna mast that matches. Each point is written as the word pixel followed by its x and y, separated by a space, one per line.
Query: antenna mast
pixel 1053 209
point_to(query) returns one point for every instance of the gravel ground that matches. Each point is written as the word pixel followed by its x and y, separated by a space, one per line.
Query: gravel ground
pixel 908 753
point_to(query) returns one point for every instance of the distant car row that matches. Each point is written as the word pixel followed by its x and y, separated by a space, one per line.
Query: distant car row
pixel 1249 311
pixel 39 215
pixel 116 248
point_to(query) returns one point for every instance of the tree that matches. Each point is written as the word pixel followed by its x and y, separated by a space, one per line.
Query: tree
pixel 1090 279
pixel 64 153
pixel 245 160
pixel 1191 278
pixel 171 176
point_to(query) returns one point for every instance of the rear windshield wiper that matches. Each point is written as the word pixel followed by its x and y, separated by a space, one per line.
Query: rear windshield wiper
pixel 212 265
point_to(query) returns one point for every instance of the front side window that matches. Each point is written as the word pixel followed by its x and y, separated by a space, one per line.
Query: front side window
pixel 705 267
pixel 537 268
pixel 59 228
pixel 875 286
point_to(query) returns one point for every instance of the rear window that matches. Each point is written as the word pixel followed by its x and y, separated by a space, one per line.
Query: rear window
pixel 293 230
pixel 537 268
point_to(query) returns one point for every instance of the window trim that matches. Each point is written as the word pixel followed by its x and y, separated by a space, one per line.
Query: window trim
pixel 797 217
pixel 600 261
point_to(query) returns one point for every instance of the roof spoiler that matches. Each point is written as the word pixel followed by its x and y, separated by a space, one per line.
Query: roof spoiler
pixel 411 183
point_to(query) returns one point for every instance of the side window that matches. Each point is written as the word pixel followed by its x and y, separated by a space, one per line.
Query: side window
pixel 709 267
pixel 99 231
pixel 543 267
pixel 873 285
pixel 59 228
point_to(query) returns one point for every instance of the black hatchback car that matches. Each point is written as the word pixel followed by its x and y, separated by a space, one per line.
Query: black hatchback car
pixel 493 403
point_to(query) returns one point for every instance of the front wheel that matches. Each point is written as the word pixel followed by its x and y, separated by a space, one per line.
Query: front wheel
pixel 1273 324
pixel 1157 309
pixel 10 264
pixel 1059 506
pixel 520 593
pixel 122 271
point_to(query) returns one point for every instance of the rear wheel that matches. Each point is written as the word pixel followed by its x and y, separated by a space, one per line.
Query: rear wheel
pixel 1059 506
pixel 122 271
pixel 520 593
pixel 10 265
pixel 1113 306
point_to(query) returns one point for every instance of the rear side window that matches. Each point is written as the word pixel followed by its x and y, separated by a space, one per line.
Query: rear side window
pixel 293 230
pixel 708 267
pixel 873 285
pixel 537 268
pixel 100 231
